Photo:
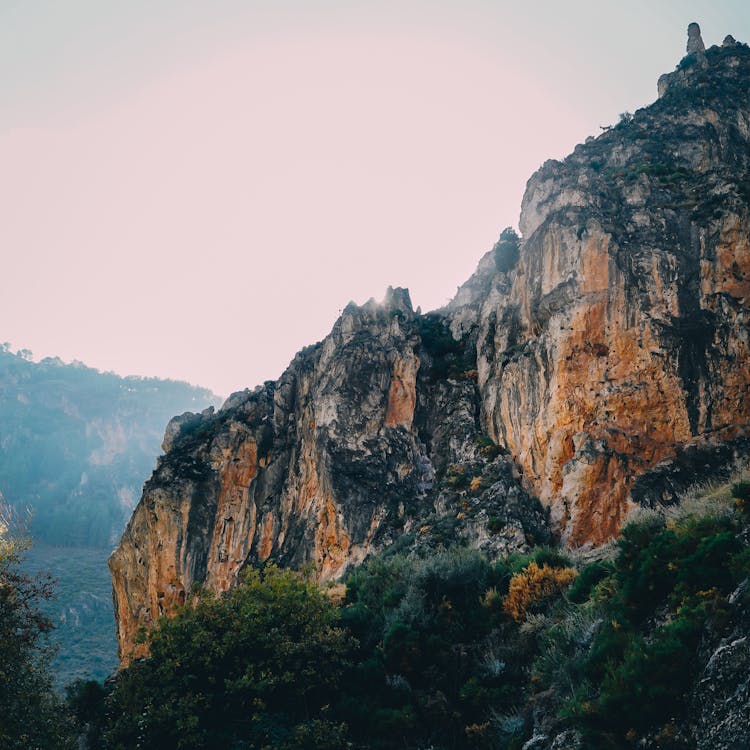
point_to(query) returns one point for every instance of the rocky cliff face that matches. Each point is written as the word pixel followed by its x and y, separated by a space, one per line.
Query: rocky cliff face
pixel 620 336
pixel 370 436
pixel 582 365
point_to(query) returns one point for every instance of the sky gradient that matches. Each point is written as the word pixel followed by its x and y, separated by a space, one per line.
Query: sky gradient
pixel 195 190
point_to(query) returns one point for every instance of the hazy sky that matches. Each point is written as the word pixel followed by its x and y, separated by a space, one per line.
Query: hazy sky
pixel 195 189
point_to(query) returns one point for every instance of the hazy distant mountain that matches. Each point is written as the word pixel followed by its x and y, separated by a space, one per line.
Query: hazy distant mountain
pixel 77 444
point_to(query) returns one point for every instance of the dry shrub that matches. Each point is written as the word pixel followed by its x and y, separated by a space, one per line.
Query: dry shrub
pixel 533 585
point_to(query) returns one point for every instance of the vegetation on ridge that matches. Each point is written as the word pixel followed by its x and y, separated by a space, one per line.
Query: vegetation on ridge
pixel 79 443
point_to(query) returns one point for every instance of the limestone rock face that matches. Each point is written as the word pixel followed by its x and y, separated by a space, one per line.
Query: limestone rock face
pixel 720 699
pixel 695 41
pixel 594 363
pixel 369 436
pixel 621 336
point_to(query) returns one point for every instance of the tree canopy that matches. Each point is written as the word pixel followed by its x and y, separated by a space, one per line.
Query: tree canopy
pixel 256 668
pixel 32 716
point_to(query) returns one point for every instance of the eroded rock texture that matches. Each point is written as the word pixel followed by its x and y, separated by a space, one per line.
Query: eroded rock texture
pixel 621 335
pixel 369 436
pixel 602 354
pixel 720 699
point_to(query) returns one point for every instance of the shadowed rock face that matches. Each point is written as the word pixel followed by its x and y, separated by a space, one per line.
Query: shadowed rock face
pixel 606 355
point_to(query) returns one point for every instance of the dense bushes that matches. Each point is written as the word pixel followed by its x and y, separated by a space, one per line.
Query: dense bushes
pixel 666 593
pixel 428 632
pixel 416 654
pixel 31 715
pixel 447 651
pixel 257 668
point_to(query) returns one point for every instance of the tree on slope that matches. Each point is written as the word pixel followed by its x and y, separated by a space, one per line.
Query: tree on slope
pixel 31 714
pixel 256 668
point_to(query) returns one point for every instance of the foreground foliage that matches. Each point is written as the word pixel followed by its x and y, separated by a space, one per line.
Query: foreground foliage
pixel 31 714
pixel 257 668
pixel 447 651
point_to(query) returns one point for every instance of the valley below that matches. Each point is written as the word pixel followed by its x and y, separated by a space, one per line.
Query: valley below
pixel 80 609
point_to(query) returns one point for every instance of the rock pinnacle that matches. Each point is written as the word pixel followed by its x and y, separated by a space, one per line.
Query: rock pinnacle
pixel 695 42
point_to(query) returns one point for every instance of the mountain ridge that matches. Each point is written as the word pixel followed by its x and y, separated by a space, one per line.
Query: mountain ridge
pixel 593 363
pixel 78 443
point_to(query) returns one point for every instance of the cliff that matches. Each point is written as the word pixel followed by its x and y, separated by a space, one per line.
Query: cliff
pixel 600 362
pixel 370 436
pixel 620 337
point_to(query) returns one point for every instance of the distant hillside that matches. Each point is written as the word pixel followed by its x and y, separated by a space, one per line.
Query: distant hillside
pixel 77 444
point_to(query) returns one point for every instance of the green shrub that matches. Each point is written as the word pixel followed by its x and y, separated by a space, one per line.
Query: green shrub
pixel 636 668
pixel 552 557
pixel 741 495
pixel 457 478
pixel 506 250
pixel 583 587
pixel 439 669
pixel 495 524
pixel 258 666
pixel 487 448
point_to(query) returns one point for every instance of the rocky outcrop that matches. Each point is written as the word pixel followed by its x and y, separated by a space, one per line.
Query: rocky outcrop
pixel 585 363
pixel 620 338
pixel 369 436
pixel 720 710
pixel 695 40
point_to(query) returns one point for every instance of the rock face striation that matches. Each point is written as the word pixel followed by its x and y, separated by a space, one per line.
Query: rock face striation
pixel 620 338
pixel 601 362
pixel 369 437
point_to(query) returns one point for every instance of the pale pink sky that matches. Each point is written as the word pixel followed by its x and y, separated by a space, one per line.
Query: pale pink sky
pixel 196 191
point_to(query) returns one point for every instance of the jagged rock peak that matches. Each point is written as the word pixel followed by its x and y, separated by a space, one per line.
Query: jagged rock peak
pixel 375 316
pixel 395 299
pixel 698 60
pixel 695 41
pixel 398 298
